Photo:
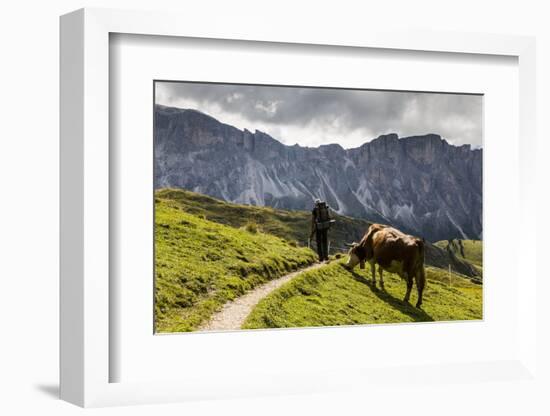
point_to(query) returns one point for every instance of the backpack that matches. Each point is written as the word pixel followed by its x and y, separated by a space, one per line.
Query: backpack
pixel 322 216
pixel 322 212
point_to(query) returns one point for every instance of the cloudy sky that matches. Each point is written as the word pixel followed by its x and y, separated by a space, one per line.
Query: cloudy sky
pixel 313 116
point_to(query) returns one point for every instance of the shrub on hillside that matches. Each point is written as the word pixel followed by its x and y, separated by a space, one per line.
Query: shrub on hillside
pixel 251 227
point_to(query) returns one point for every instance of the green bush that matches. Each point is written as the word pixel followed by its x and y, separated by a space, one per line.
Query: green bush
pixel 251 227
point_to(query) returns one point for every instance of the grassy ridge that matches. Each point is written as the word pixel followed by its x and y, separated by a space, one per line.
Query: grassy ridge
pixel 209 252
pixel 293 226
pixel 469 250
pixel 200 264
pixel 335 296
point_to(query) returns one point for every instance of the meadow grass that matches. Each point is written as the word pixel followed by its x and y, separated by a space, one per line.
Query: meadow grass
pixel 208 252
pixel 333 295
pixel 200 264
pixel 292 226
pixel 472 251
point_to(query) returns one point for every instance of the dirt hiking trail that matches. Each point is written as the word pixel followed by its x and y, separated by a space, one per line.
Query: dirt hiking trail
pixel 234 313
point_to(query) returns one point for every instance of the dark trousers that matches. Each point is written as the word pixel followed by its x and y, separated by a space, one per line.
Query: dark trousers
pixel 322 244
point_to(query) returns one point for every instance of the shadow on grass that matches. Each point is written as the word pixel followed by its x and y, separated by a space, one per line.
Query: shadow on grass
pixel 416 314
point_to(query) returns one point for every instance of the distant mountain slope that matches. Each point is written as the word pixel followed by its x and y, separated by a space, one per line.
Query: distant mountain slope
pixel 421 184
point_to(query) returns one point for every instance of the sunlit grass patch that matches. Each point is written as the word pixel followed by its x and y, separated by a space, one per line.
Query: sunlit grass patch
pixel 200 265
pixel 335 296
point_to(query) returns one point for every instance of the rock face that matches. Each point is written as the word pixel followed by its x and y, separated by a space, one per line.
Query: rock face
pixel 420 184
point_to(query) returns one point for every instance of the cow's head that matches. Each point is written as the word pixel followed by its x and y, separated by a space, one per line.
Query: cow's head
pixel 353 257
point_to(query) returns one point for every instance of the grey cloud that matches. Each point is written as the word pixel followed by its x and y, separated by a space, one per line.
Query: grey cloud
pixel 457 118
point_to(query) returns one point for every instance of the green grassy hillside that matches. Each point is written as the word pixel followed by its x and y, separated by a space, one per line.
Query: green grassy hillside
pixel 201 264
pixel 293 226
pixel 208 252
pixel 334 295
pixel 469 250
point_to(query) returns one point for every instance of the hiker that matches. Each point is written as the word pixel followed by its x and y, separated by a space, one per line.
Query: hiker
pixel 320 224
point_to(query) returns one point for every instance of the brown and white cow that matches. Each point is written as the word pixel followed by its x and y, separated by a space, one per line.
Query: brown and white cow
pixel 394 252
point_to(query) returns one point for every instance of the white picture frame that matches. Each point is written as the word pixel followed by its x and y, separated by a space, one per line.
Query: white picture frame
pixel 85 355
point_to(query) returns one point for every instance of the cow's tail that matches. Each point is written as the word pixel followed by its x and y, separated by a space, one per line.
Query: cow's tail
pixel 421 244
pixel 420 270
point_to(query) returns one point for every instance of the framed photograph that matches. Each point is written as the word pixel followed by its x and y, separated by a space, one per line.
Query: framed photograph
pixel 253 231
pixel 248 215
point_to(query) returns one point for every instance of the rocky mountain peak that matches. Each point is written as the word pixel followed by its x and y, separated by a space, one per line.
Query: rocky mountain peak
pixel 421 184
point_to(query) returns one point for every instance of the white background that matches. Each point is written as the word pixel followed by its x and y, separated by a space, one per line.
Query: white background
pixel 29 172
pixel 137 60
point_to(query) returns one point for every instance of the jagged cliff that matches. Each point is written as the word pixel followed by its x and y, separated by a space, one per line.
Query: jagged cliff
pixel 421 184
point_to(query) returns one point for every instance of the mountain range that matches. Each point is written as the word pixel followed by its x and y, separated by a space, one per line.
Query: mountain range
pixel 421 184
